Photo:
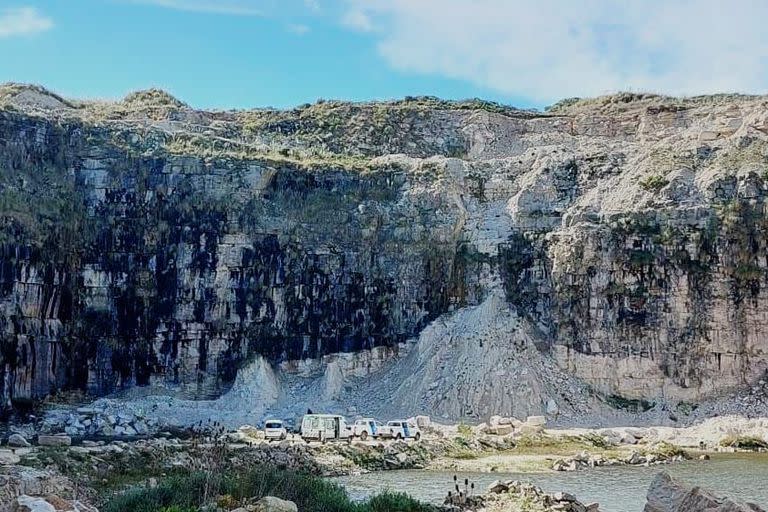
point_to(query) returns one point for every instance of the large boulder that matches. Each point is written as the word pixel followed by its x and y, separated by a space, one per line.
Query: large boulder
pixel 54 440
pixel 668 495
pixel 50 503
pixel 18 441
pixel 272 504
pixel 8 457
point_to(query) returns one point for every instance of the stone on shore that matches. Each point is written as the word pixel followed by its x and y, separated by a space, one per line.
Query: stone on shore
pixel 18 441
pixel 272 504
pixel 50 503
pixel 668 495
pixel 54 440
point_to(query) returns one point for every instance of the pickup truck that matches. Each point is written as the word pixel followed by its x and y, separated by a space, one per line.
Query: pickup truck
pixel 401 429
pixel 369 427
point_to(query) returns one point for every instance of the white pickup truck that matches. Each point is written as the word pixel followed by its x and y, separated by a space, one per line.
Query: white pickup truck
pixel 369 427
pixel 401 429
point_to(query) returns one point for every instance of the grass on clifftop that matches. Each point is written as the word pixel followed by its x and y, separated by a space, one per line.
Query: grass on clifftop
pixel 189 493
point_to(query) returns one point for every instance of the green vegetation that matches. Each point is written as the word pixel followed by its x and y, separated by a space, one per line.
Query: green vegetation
pixel 629 404
pixel 686 408
pixel 666 450
pixel 640 258
pixel 464 429
pixel 596 440
pixel 654 183
pixel 747 272
pixel 744 442
pixel 311 494
pixel 461 449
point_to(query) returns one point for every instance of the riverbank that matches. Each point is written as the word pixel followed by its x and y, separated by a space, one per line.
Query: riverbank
pixel 102 467
pixel 99 472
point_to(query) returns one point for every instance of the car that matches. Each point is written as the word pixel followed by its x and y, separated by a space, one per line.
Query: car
pixel 402 429
pixel 369 427
pixel 274 430
pixel 325 427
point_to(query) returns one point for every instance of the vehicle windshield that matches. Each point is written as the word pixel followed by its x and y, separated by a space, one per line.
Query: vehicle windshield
pixel 394 424
pixel 273 424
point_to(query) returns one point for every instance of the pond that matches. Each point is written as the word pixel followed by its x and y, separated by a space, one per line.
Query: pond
pixel 617 489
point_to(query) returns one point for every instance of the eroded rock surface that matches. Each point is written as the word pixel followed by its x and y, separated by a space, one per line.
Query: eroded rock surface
pixel 668 495
pixel 614 245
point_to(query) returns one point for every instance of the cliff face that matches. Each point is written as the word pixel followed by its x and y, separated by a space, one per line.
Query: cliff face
pixel 143 242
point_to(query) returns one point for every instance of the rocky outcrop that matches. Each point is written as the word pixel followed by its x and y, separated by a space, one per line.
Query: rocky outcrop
pixel 515 495
pixel 605 250
pixel 668 495
pixel 24 489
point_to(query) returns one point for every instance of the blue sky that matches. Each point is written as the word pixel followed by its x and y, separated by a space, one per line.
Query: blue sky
pixel 252 53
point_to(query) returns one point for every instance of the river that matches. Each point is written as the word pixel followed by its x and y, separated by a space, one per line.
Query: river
pixel 617 489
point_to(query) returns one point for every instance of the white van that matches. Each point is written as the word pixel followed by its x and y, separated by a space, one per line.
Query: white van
pixel 274 430
pixel 325 427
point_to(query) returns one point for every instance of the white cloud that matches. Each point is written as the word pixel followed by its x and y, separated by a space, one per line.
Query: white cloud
pixel 313 5
pixel 22 21
pixel 298 29
pixel 549 49
pixel 357 20
pixel 238 7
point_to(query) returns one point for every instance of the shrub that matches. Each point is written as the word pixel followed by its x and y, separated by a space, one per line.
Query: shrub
pixel 744 442
pixel 667 450
pixel 629 404
pixel 310 493
pixel 394 501
pixel 654 183
pixel 464 430
pixel 596 440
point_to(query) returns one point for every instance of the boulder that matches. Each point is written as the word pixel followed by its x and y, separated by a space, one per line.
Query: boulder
pixel 500 430
pixel 423 421
pixel 564 496
pixel 536 421
pixel 8 457
pixel 497 487
pixel 54 440
pixel 552 408
pixel 18 441
pixel 668 495
pixel 272 504
pixel 50 503
pixel 31 504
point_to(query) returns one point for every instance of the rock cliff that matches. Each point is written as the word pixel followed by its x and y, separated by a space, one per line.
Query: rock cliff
pixel 622 239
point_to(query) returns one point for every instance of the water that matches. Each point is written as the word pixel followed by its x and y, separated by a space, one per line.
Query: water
pixel 617 489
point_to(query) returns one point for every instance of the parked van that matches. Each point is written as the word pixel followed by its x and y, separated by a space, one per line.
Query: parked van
pixel 401 429
pixel 325 427
pixel 274 430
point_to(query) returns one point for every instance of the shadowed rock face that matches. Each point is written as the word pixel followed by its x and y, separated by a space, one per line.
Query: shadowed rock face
pixel 117 268
pixel 144 242
pixel 668 495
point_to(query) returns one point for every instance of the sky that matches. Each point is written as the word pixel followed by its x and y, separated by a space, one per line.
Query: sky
pixel 282 53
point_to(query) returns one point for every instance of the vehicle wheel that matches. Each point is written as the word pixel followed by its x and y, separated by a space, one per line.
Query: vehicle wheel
pixel 417 436
pixel 364 435
pixel 399 436
pixel 322 439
